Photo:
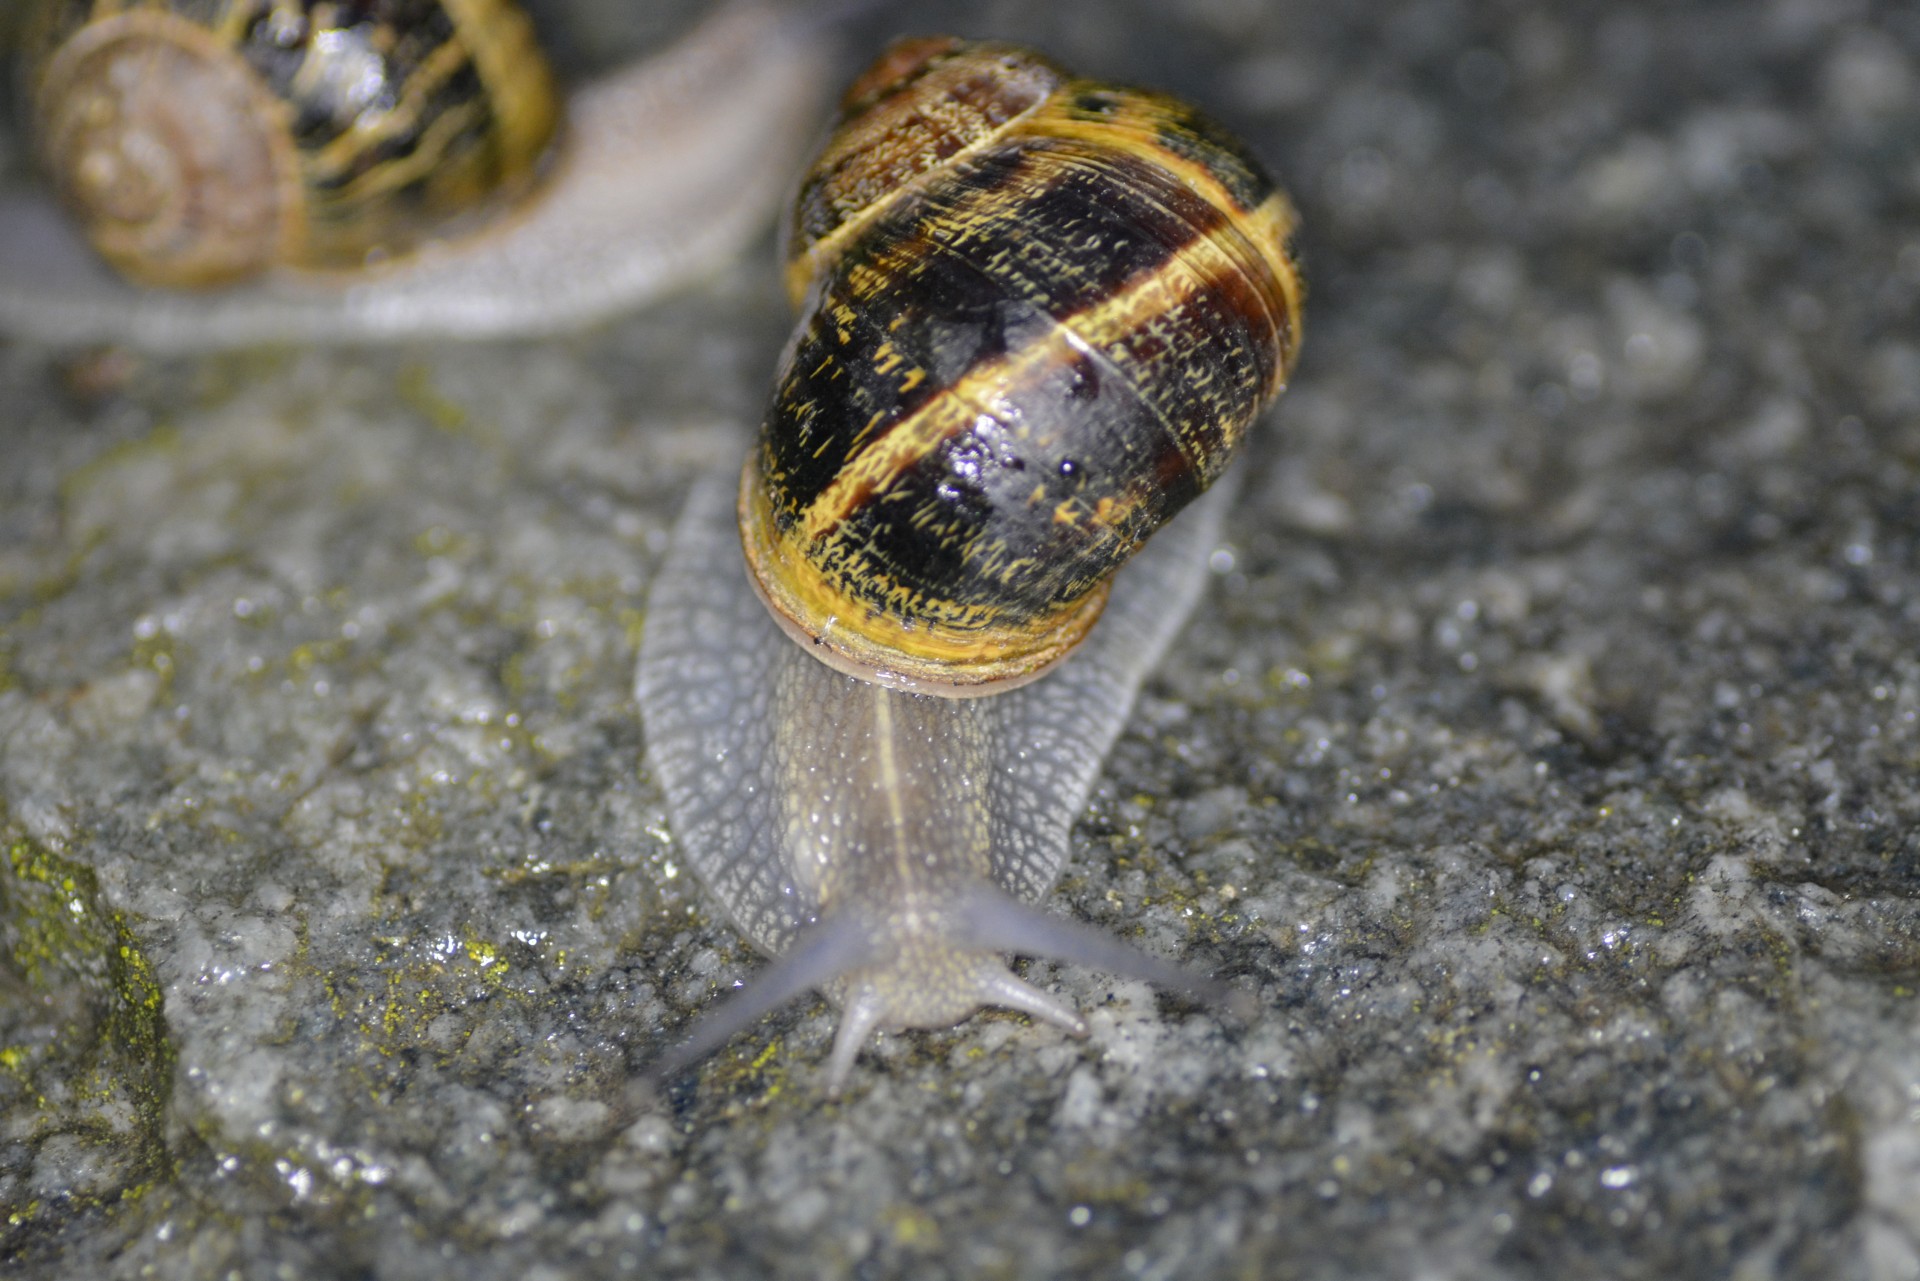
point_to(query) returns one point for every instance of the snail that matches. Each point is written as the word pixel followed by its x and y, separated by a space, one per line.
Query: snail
pixel 319 170
pixel 1039 313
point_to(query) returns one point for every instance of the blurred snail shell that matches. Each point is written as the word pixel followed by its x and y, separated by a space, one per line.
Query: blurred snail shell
pixel 305 133
pixel 1005 270
pixel 326 170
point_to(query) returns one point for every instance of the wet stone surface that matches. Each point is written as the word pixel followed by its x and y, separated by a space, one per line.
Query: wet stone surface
pixel 1543 758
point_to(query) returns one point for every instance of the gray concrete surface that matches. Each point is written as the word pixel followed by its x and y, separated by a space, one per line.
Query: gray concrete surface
pixel 1543 758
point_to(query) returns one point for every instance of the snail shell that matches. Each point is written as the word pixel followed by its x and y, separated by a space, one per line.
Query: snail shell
pixel 1041 313
pixel 305 133
pixel 363 182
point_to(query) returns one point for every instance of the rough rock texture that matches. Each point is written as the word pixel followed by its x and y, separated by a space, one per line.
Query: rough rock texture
pixel 1544 759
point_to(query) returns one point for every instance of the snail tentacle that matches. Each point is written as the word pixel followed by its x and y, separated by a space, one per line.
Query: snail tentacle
pixel 820 955
pixel 1001 923
pixel 864 1012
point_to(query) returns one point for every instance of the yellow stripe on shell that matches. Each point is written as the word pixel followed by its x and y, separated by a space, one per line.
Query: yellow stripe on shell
pixel 519 83
pixel 869 472
pixel 399 172
pixel 852 637
pixel 822 253
pixel 234 20
pixel 372 130
pixel 1136 129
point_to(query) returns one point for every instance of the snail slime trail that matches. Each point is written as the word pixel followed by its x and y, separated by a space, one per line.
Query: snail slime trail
pixel 1040 314
pixel 296 172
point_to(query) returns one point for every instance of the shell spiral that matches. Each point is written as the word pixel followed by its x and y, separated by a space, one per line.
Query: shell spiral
pixel 199 144
pixel 1040 314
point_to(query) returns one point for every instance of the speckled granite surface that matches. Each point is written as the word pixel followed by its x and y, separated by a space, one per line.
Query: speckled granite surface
pixel 1543 759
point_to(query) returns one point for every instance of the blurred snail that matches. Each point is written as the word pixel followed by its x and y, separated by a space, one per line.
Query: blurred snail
pixel 355 170
pixel 1039 315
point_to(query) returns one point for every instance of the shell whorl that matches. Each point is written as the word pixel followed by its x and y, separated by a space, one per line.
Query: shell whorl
pixel 173 156
pixel 1041 314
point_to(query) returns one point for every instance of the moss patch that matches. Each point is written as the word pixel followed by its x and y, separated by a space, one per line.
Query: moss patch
pixel 85 1062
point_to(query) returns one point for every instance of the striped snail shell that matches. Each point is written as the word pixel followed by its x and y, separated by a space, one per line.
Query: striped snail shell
pixel 1040 313
pixel 351 170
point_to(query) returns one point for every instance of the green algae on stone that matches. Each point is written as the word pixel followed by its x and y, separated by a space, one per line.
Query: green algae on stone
pixel 416 390
pixel 86 1066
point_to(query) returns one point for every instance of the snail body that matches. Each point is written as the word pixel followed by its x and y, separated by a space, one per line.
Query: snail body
pixel 888 847
pixel 316 171
pixel 1039 314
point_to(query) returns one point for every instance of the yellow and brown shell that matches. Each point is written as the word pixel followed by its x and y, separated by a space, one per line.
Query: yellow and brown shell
pixel 202 141
pixel 1041 314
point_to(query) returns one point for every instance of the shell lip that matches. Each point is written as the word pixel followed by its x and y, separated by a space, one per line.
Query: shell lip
pixel 862 643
